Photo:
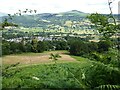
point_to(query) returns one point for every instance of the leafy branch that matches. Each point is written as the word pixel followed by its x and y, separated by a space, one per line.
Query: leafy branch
pixel 54 57
pixel 10 17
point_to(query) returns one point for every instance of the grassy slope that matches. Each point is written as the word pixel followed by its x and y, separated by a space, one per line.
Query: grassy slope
pixel 50 75
pixel 80 74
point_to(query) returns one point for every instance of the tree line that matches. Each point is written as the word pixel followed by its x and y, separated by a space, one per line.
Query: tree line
pixel 34 45
pixel 75 46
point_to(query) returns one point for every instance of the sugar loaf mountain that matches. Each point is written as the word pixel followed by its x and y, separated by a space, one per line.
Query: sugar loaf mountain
pixel 45 19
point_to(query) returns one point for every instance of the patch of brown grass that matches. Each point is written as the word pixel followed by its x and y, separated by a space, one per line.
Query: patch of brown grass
pixel 36 58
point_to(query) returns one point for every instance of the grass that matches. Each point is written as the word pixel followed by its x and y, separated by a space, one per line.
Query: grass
pixel 36 58
pixel 81 73
pixel 60 75
pixel 44 73
pixel 78 58
pixel 21 76
pixel 36 54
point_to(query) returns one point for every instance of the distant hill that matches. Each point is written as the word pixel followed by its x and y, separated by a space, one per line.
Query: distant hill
pixel 75 13
pixel 3 14
pixel 45 19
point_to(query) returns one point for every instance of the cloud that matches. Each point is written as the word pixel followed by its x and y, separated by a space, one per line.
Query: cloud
pixel 54 6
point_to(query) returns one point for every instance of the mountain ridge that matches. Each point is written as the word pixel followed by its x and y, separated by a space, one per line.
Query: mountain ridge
pixel 45 19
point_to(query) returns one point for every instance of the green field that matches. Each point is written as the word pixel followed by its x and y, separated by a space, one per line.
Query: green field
pixel 35 30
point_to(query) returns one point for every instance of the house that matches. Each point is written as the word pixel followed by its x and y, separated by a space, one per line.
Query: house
pixel 10 27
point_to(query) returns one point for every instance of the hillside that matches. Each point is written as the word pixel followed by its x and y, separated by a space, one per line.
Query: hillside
pixel 44 19
pixel 74 13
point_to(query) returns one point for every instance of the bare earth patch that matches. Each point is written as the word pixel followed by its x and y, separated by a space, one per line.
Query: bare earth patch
pixel 35 59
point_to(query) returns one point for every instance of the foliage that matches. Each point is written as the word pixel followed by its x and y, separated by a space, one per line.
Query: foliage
pixel 62 78
pixel 103 25
pixel 99 74
pixel 34 45
pixel 60 45
pixel 78 48
pixel 107 27
pixel 23 46
pixel 40 46
pixel 90 75
pixel 13 47
pixel 54 57
pixel 92 46
pixel 98 19
pixel 108 87
pixel 6 23
pixel 6 70
pixel 7 20
pixel 103 46
pixel 5 48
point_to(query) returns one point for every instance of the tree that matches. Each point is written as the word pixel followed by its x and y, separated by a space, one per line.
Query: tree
pixel 48 45
pixel 60 45
pixel 103 25
pixel 40 46
pixel 103 46
pixel 28 47
pixel 5 48
pixel 78 48
pixel 34 45
pixel 14 48
pixel 107 27
pixel 92 47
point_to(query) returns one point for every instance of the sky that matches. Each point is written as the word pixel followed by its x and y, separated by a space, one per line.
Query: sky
pixel 56 6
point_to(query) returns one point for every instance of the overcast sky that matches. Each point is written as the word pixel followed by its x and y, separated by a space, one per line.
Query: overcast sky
pixel 55 6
